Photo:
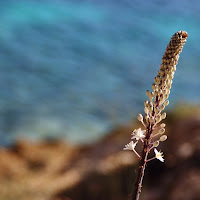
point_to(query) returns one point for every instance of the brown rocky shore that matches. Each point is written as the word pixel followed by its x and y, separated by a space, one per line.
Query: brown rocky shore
pixel 102 171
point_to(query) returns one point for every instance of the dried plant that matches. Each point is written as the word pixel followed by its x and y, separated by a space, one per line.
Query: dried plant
pixel 153 110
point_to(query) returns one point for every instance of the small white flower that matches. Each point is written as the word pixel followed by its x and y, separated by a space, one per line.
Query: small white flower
pixel 130 146
pixel 159 155
pixel 138 134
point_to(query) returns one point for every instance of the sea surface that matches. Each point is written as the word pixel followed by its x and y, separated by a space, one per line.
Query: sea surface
pixel 74 70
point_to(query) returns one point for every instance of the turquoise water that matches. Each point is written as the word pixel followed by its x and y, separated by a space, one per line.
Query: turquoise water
pixel 76 69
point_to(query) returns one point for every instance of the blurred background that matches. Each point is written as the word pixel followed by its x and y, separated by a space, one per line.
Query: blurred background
pixel 77 71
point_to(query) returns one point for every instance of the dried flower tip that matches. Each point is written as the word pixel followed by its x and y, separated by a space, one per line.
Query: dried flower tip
pixel 148 93
pixel 172 73
pixel 171 76
pixel 163 138
pixel 156 143
pixel 174 68
pixel 151 96
pixel 151 108
pixel 157 80
pixel 166 76
pixel 162 125
pixel 166 96
pixel 158 118
pixel 160 91
pixel 163 116
pixel 130 146
pixel 164 92
pixel 147 118
pixel 169 88
pixel 150 104
pixel 140 117
pixel 151 120
pixel 138 134
pixel 154 86
pixel 156 109
pixel 162 98
pixel 163 82
pixel 162 67
pixel 146 103
pixel 161 72
pixel 184 34
pixel 166 102
pixel 162 107
pixel 156 92
pixel 161 131
pixel 169 82
pixel 159 155
pixel 146 110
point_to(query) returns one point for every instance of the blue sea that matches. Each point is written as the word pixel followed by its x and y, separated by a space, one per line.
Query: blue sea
pixel 74 70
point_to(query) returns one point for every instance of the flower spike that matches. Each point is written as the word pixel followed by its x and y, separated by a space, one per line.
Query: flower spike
pixel 154 107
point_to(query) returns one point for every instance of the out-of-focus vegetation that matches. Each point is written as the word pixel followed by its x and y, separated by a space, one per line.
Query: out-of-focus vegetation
pixel 102 171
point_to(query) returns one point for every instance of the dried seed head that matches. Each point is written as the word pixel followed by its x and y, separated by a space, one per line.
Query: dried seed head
pixel 156 143
pixel 171 76
pixel 163 116
pixel 156 109
pixel 147 118
pixel 157 80
pixel 162 125
pixel 163 138
pixel 156 92
pixel 162 99
pixel 146 103
pixel 158 118
pixel 161 131
pixel 151 119
pixel 154 86
pixel 160 92
pixel 170 59
pixel 161 72
pixel 149 94
pixel 166 96
pixel 174 68
pixel 166 102
pixel 168 81
pixel 164 82
pixel 164 92
pixel 151 109
pixel 166 76
pixel 150 104
pixel 146 110
pixel 140 117
pixel 162 107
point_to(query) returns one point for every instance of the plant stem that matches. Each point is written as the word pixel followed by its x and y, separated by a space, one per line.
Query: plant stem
pixel 142 165
pixel 161 91
pixel 136 153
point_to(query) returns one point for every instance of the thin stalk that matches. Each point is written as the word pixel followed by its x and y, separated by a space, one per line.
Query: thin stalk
pixel 137 153
pixel 142 165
